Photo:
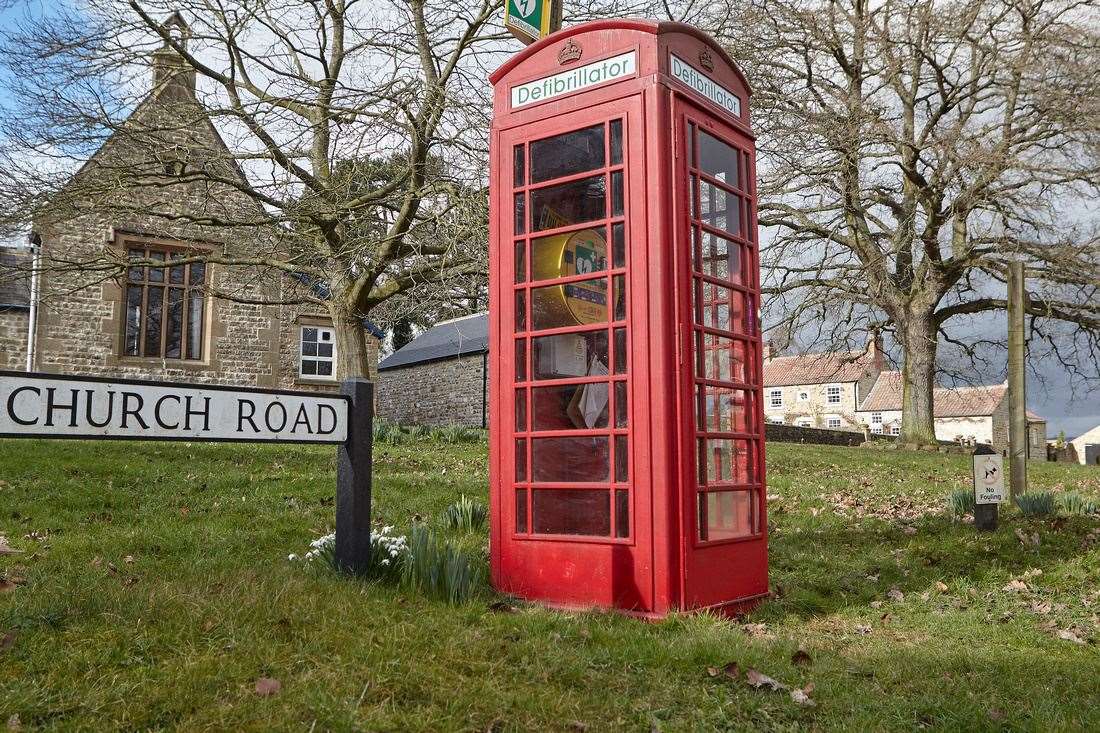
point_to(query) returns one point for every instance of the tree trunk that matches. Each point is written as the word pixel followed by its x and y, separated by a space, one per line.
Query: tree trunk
pixel 918 372
pixel 352 355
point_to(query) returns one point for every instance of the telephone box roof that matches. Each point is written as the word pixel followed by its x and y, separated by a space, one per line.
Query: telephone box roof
pixel 653 27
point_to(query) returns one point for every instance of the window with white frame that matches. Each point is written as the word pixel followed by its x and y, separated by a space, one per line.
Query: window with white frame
pixel 876 418
pixel 895 430
pixel 775 398
pixel 832 395
pixel 832 422
pixel 317 353
pixel 805 423
pixel 876 429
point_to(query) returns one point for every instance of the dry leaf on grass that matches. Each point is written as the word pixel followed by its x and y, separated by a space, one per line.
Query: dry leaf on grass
pixel 1068 635
pixel 802 696
pixel 1027 539
pixel 1015 586
pixel 895 595
pixel 266 686
pixel 801 658
pixel 6 549
pixel 731 670
pixel 863 630
pixel 6 585
pixel 7 641
pixel 502 607
pixel 14 723
pixel 997 716
pixel 759 679
pixel 941 586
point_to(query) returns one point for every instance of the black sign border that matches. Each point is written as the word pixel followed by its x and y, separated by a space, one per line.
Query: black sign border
pixel 178 385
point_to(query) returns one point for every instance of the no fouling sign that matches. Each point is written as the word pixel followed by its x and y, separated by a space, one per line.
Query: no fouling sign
pixel 61 407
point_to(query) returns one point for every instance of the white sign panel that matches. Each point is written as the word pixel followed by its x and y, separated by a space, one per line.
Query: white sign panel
pixel 59 407
pixel 704 85
pixel 598 72
pixel 989 479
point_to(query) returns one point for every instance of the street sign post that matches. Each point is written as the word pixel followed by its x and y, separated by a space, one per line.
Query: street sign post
pixel 989 486
pixel 530 20
pixel 54 406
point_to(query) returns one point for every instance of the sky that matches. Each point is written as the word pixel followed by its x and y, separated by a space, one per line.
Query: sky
pixel 1069 404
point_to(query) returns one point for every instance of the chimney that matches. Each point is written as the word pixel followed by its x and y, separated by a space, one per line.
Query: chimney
pixel 169 68
pixel 768 351
pixel 874 350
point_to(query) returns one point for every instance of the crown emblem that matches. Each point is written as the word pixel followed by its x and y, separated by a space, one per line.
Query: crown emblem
pixel 706 60
pixel 569 52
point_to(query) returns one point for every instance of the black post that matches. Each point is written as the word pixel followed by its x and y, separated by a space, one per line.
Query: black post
pixel 985 515
pixel 353 479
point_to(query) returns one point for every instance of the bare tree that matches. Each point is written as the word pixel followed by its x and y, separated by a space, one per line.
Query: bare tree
pixel 908 150
pixel 353 131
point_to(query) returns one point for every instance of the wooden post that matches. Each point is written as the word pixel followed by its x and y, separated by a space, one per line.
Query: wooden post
pixel 1017 384
pixel 353 479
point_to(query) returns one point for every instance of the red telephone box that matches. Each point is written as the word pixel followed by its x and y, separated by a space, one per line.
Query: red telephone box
pixel 626 422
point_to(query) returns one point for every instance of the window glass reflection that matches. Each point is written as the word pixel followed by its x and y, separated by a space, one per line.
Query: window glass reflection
pixel 721 308
pixel 719 208
pixel 573 304
pixel 569 355
pixel 719 160
pixel 725 460
pixel 571 511
pixel 723 410
pixel 726 515
pixel 569 203
pixel 721 358
pixel 567 154
pixel 570 407
pixel 570 459
pixel 718 257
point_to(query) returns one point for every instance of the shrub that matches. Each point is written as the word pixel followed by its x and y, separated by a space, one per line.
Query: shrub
pixel 1074 503
pixel 465 514
pixel 960 502
pixel 438 569
pixel 1036 504
pixel 388 433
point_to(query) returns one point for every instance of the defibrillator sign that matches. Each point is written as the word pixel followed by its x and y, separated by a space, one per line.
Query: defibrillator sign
pixel 530 20
pixel 989 479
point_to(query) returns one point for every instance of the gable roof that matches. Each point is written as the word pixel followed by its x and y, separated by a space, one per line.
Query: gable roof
pixel 15 288
pixel 787 371
pixel 979 401
pixel 458 337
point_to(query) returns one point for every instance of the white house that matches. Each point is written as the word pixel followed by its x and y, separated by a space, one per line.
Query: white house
pixel 1087 446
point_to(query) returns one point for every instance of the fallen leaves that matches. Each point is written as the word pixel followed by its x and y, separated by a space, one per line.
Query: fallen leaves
pixel 1016 586
pixel 6 549
pixel 801 658
pixel 1070 636
pixel 6 585
pixel 731 670
pixel 267 686
pixel 801 696
pixel 941 586
pixel 759 679
pixel 503 607
pixel 1027 539
pixel 7 641
pixel 895 595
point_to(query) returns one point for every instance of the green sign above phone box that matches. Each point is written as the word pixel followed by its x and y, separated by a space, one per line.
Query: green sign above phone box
pixel 529 20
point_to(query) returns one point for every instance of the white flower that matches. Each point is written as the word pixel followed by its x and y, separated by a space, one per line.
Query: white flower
pixel 292 557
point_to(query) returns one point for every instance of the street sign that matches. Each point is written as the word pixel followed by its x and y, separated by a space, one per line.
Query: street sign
pixel 57 406
pixel 989 479
pixel 60 406
pixel 530 20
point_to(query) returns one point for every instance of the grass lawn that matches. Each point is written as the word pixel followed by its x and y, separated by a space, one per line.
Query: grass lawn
pixel 154 590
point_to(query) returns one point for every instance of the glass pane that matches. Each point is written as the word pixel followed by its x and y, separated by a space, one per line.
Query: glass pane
pixel 133 320
pixel 324 350
pixel 198 273
pixel 718 257
pixel 620 297
pixel 617 193
pixel 153 307
pixel 719 208
pixel 723 410
pixel 721 358
pixel 726 515
pixel 309 335
pixel 174 344
pixel 570 459
pixel 564 255
pixel 571 511
pixel 622 409
pixel 618 245
pixel 194 322
pixel 521 459
pixel 324 368
pixel 521 360
pixel 575 304
pixel 725 460
pixel 521 410
pixel 309 367
pixel 721 308
pixel 622 513
pixel 620 351
pixel 691 145
pixel 718 160
pixel 521 261
pixel 521 310
pixel 616 142
pixel 622 459
pixel 156 274
pixel 520 219
pixel 136 273
pixel 517 166
pixel 567 154
pixel 521 511
pixel 175 273
pixel 569 355
pixel 569 203
pixel 570 407
pixel 309 348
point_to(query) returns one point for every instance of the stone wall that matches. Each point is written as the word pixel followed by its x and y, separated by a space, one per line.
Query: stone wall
pixel 818 436
pixel 444 392
pixel 1036 433
pixel 13 339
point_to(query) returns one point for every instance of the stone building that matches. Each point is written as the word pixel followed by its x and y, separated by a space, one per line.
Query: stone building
pixel 438 378
pixel 820 390
pixel 977 414
pixel 162 323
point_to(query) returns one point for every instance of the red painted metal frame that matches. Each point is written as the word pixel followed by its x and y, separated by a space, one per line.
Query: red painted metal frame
pixel 660 567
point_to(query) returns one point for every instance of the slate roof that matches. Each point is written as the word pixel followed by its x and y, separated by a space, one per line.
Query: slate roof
pixel 458 337
pixel 979 401
pixel 787 371
pixel 15 289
